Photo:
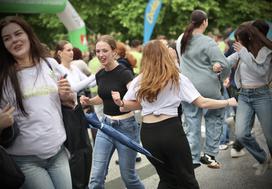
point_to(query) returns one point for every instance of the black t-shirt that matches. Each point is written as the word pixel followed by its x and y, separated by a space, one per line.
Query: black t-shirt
pixel 114 80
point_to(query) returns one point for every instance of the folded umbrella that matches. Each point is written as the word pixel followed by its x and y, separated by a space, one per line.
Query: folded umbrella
pixel 120 137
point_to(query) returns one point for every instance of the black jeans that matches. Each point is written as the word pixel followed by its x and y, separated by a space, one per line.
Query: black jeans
pixel 167 141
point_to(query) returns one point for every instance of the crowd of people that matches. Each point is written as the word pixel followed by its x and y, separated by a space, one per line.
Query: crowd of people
pixel 156 94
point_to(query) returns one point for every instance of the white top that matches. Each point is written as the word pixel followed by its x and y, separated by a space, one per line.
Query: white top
pixel 77 79
pixel 168 99
pixel 42 132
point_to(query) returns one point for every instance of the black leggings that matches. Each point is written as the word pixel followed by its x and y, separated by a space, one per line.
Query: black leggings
pixel 167 141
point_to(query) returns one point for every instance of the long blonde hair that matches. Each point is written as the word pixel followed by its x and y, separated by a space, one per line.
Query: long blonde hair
pixel 157 69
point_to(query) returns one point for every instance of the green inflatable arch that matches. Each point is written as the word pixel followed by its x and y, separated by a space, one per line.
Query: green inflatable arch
pixel 64 10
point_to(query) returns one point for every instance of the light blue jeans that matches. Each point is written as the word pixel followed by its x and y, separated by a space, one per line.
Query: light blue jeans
pixel 51 173
pixel 224 139
pixel 104 148
pixel 192 128
pixel 251 101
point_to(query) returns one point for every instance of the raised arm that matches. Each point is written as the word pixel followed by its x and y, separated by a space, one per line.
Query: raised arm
pixel 67 96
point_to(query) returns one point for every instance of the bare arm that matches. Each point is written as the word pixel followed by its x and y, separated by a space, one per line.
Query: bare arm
pixel 208 103
pixel 130 105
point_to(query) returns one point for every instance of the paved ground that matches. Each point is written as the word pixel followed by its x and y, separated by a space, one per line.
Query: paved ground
pixel 235 173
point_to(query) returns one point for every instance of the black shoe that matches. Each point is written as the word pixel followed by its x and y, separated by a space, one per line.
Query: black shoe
pixel 196 165
pixel 138 159
pixel 209 161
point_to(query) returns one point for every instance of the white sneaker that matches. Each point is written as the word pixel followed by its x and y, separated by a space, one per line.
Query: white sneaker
pixel 255 165
pixel 223 147
pixel 235 154
pixel 231 142
pixel 262 167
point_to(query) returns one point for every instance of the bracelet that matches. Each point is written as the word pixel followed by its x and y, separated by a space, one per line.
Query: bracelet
pixel 123 104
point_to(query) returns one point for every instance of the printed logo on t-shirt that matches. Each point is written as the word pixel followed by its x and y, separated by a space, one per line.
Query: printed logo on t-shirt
pixel 42 91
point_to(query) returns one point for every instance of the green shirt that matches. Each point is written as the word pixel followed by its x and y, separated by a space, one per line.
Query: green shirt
pixel 94 66
pixel 138 57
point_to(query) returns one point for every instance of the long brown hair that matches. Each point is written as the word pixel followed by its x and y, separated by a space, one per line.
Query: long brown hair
pixel 252 38
pixel 158 68
pixel 121 50
pixel 8 63
pixel 197 18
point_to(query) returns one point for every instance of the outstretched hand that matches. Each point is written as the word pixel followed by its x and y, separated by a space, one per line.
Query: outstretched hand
pixel 85 101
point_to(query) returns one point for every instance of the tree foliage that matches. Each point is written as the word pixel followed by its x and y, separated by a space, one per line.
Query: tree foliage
pixel 124 18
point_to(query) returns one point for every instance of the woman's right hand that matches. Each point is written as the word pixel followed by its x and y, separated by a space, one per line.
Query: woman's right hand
pixel 6 117
pixel 85 101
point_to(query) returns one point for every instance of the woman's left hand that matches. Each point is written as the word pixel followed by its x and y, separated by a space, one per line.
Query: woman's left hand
pixel 117 98
pixel 217 68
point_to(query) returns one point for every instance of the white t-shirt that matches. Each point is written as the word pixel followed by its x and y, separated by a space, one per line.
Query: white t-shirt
pixel 168 99
pixel 42 132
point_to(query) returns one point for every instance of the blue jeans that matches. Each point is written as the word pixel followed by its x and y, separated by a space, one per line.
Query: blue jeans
pixel 104 148
pixel 51 173
pixel 224 139
pixel 251 101
pixel 192 128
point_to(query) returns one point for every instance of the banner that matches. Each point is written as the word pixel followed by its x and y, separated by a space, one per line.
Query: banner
pixel 151 14
pixel 65 11
pixel 32 6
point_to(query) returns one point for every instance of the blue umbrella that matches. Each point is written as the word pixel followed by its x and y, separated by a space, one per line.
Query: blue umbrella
pixel 120 137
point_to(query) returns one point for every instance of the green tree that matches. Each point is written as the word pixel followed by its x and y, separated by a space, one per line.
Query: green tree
pixel 124 19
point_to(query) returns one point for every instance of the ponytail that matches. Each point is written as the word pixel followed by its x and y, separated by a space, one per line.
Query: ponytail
pixel 186 37
pixel 197 18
